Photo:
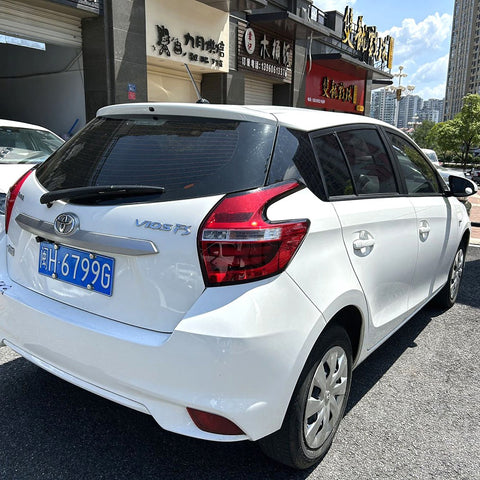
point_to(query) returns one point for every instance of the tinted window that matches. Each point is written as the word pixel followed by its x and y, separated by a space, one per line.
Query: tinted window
pixel 188 156
pixel 335 170
pixel 419 175
pixel 293 158
pixel 369 162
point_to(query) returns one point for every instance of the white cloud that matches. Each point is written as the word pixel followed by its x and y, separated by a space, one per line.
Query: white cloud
pixel 428 92
pixel 329 5
pixel 432 71
pixel 413 38
pixel 429 79
pixel 420 48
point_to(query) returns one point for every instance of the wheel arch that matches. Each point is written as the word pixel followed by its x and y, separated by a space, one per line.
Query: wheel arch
pixel 350 318
pixel 465 239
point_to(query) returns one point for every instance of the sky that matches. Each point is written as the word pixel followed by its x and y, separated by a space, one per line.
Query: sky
pixel 422 31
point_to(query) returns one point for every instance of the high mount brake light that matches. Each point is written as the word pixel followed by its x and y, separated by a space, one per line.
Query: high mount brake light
pixel 238 243
pixel 12 196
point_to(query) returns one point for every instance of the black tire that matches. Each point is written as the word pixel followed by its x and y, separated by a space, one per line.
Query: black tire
pixel 302 442
pixel 447 296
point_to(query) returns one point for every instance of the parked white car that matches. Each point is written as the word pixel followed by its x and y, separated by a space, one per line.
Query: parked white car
pixel 432 156
pixel 22 145
pixel 224 268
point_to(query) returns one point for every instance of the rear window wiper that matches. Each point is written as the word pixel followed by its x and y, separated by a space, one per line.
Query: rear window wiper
pixel 100 193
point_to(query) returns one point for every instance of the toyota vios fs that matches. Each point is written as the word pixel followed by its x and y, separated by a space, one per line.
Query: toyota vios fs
pixel 224 268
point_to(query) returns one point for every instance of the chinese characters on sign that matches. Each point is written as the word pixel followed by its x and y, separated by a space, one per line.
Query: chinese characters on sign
pixel 339 91
pixel 364 39
pixel 194 48
pixel 334 90
pixel 262 52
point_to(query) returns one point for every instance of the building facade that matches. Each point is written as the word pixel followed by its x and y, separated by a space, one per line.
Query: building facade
pixel 464 61
pixel 432 110
pixel 408 110
pixel 412 109
pixel 383 105
pixel 64 59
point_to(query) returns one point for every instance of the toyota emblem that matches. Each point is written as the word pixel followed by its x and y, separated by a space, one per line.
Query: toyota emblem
pixel 66 224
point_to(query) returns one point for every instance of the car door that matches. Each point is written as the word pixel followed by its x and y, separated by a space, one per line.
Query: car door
pixel 378 224
pixel 438 219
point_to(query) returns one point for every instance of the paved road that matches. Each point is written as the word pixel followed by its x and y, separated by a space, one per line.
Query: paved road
pixel 413 413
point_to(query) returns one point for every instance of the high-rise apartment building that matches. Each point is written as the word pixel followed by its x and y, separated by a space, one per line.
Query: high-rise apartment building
pixel 412 109
pixel 408 109
pixel 464 62
pixel 432 110
pixel 382 106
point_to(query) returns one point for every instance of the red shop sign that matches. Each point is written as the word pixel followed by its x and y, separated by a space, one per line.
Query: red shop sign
pixel 334 90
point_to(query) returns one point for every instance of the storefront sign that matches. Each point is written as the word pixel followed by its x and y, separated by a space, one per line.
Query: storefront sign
pixel 365 39
pixel 265 53
pixel 182 31
pixel 334 90
pixel 196 49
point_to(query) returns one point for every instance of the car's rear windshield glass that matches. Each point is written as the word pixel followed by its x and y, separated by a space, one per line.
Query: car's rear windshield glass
pixel 187 156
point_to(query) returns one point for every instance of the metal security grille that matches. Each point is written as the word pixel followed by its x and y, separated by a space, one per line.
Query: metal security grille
pixel 36 22
pixel 258 92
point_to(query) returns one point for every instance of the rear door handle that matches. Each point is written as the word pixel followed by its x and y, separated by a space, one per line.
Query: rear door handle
pixel 359 244
pixel 424 229
pixel 363 245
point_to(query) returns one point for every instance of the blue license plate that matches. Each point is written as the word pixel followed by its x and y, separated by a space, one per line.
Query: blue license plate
pixel 84 269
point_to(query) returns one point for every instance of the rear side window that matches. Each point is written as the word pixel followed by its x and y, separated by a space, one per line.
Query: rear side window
pixel 419 175
pixel 188 156
pixel 293 159
pixel 335 170
pixel 369 162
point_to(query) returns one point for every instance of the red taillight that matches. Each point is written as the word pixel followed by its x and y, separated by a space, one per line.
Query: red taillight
pixel 209 422
pixel 12 196
pixel 237 243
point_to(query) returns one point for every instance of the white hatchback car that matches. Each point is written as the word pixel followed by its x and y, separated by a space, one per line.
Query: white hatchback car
pixel 22 145
pixel 432 156
pixel 224 268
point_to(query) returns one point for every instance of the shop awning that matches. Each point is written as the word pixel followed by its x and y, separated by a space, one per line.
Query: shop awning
pixel 289 24
pixel 347 64
pixel 235 5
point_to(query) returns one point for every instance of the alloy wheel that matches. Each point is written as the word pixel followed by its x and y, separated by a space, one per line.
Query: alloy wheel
pixel 456 275
pixel 326 397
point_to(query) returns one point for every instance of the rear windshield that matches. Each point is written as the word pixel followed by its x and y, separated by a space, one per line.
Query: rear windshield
pixel 188 156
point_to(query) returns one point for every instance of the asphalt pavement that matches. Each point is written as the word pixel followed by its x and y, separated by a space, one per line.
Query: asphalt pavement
pixel 413 414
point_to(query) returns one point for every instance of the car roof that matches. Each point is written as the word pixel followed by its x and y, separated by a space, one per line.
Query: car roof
pixel 14 124
pixel 298 118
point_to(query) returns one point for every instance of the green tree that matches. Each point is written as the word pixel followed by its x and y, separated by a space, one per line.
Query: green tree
pixel 445 136
pixel 421 135
pixel 462 133
pixel 469 125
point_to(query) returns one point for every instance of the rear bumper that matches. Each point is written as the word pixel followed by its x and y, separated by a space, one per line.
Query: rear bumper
pixel 227 356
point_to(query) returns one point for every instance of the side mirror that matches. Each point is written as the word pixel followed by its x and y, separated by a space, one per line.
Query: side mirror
pixel 461 187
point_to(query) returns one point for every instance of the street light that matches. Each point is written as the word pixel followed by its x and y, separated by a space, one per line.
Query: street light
pixel 400 90
pixel 415 122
